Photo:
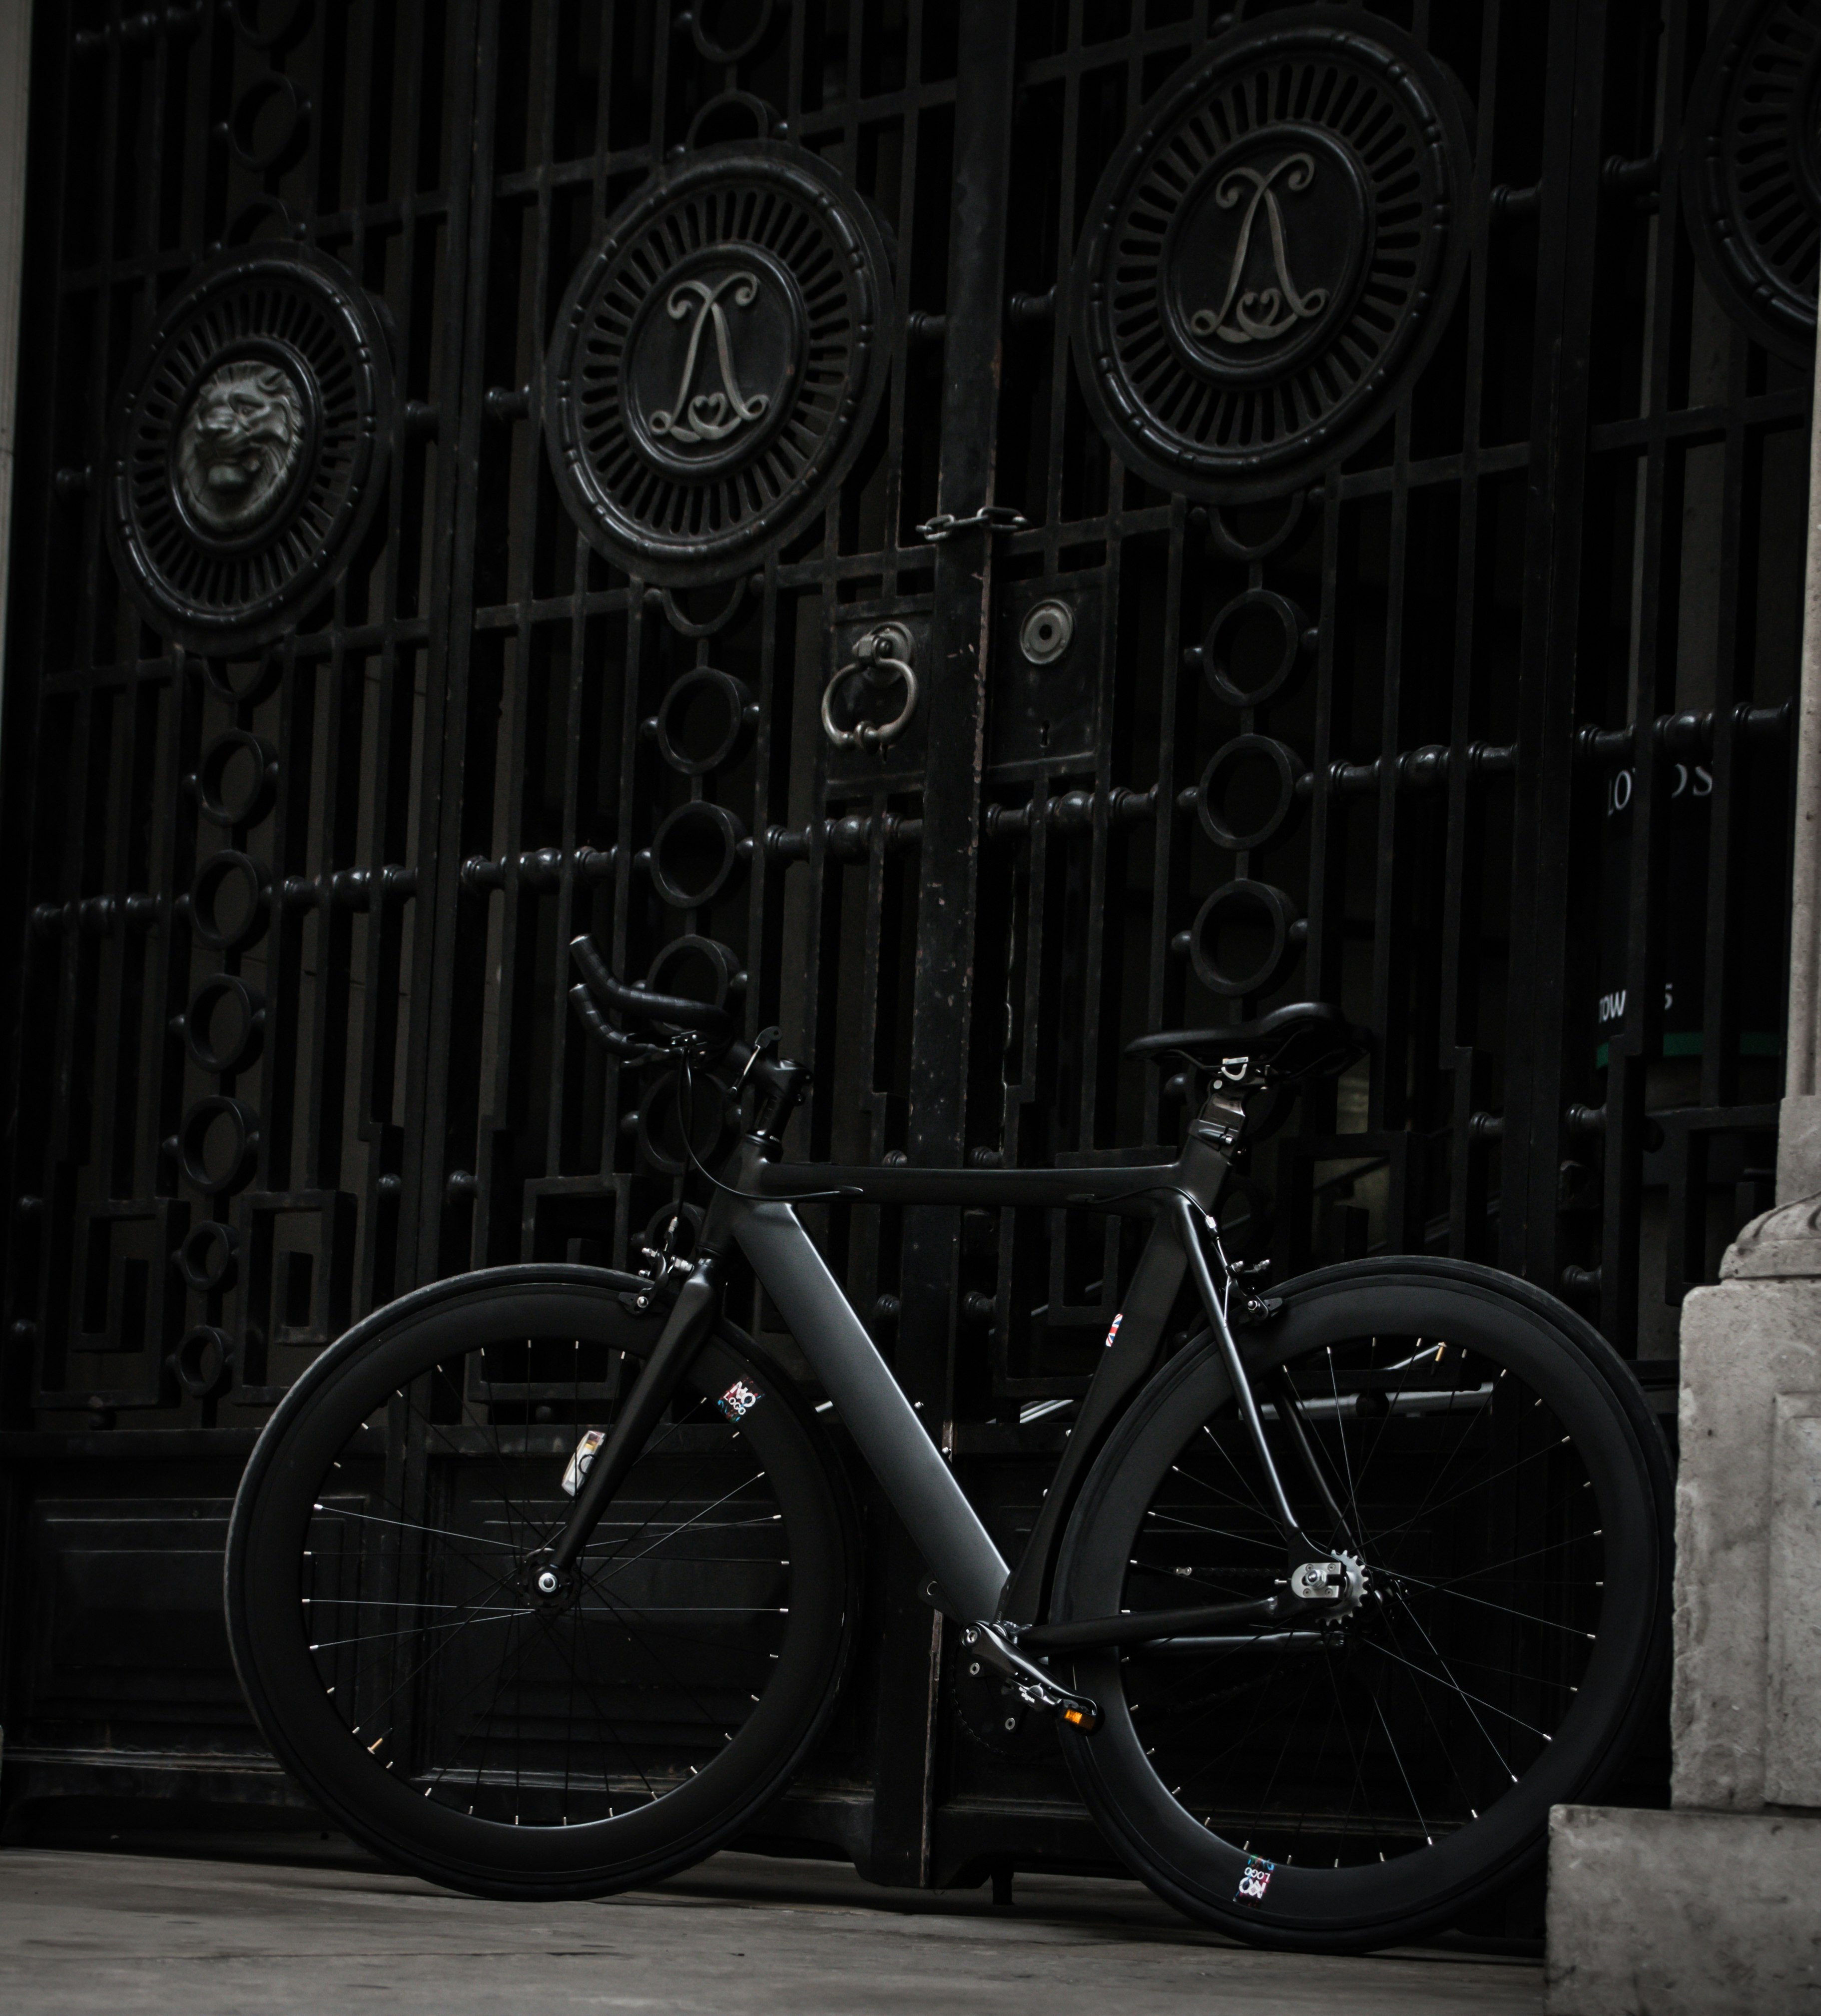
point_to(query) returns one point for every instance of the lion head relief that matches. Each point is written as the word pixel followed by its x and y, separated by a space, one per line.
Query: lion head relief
pixel 239 445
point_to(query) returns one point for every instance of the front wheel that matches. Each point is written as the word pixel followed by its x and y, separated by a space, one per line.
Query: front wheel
pixel 392 1638
pixel 1489 1463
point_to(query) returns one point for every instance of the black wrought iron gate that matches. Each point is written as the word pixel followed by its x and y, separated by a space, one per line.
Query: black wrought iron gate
pixel 972 532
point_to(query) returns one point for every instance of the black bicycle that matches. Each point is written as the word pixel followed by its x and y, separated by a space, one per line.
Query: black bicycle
pixel 542 1580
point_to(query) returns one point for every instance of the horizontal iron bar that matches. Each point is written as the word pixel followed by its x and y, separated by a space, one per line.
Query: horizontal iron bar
pixel 1070 811
pixel 848 839
pixel 341 888
pixel 1427 766
pixel 1680 734
pixel 543 870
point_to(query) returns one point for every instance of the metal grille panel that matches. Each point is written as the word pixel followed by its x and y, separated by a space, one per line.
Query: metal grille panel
pixel 1470 711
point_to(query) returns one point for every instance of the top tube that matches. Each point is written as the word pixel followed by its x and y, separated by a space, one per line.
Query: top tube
pixel 1126 1188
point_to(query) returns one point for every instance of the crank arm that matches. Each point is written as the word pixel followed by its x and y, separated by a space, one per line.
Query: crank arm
pixel 1034 1686
pixel 698 1302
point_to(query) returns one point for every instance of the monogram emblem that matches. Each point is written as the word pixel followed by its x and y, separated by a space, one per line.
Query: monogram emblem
pixel 1751 169
pixel 714 365
pixel 709 416
pixel 1271 254
pixel 1250 315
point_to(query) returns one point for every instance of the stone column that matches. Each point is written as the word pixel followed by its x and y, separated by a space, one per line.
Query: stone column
pixel 1716 1906
pixel 1798 1160
pixel 15 69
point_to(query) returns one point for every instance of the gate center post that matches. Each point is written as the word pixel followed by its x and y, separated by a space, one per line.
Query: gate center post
pixel 903 1806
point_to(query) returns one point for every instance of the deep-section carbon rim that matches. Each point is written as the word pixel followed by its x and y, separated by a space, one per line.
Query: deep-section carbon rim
pixel 1508 1510
pixel 382 1593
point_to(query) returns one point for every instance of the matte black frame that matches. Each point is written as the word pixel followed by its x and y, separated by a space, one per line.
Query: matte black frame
pixel 752 1208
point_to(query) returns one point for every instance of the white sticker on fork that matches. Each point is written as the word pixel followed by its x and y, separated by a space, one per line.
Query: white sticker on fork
pixel 584 1456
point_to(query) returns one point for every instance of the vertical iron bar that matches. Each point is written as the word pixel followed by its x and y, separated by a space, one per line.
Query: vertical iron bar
pixel 1541 866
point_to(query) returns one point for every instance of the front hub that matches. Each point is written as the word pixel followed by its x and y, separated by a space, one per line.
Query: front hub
pixel 546 1588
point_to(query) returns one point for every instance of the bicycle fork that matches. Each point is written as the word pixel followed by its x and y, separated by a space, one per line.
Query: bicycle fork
pixel 691 1315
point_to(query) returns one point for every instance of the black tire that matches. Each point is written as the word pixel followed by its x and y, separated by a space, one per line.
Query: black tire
pixel 389 1643
pixel 1512 1511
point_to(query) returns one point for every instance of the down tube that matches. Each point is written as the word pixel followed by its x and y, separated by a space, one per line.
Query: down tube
pixel 897 1448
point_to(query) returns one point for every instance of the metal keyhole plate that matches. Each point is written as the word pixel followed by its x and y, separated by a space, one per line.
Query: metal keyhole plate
pixel 1046 633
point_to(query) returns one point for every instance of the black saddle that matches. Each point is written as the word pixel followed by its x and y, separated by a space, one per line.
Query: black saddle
pixel 1306 1039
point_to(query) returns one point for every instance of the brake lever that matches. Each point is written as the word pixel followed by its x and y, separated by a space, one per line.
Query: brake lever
pixel 767 1040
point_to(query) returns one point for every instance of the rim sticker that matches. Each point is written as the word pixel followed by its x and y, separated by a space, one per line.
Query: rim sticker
pixel 1254 1880
pixel 739 1401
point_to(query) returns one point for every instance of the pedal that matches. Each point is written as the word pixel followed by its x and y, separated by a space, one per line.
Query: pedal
pixel 1033 1687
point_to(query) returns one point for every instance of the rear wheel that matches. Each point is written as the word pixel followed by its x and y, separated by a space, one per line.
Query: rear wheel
pixel 1490 1464
pixel 392 1638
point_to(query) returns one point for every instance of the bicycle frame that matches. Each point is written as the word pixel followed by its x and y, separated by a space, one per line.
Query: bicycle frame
pixel 972 1581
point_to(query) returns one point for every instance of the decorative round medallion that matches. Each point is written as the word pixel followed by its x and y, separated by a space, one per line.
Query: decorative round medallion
pixel 1751 169
pixel 714 365
pixel 249 447
pixel 240 446
pixel 1272 254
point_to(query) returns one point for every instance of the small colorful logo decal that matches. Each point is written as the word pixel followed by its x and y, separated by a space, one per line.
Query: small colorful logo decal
pixel 1254 1880
pixel 1114 1331
pixel 739 1401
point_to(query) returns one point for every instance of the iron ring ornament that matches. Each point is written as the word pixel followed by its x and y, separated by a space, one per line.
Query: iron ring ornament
pixel 716 364
pixel 249 446
pixel 1272 254
pixel 880 657
pixel 1751 169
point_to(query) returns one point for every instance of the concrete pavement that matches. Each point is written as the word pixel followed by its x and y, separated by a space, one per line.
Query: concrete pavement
pixel 117 1934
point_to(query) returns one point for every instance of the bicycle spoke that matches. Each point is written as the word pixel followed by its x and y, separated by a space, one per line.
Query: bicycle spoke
pixel 1485 1603
pixel 1454 1687
pixel 410 1525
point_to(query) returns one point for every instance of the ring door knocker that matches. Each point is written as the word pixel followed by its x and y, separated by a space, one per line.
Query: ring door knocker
pixel 880 656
